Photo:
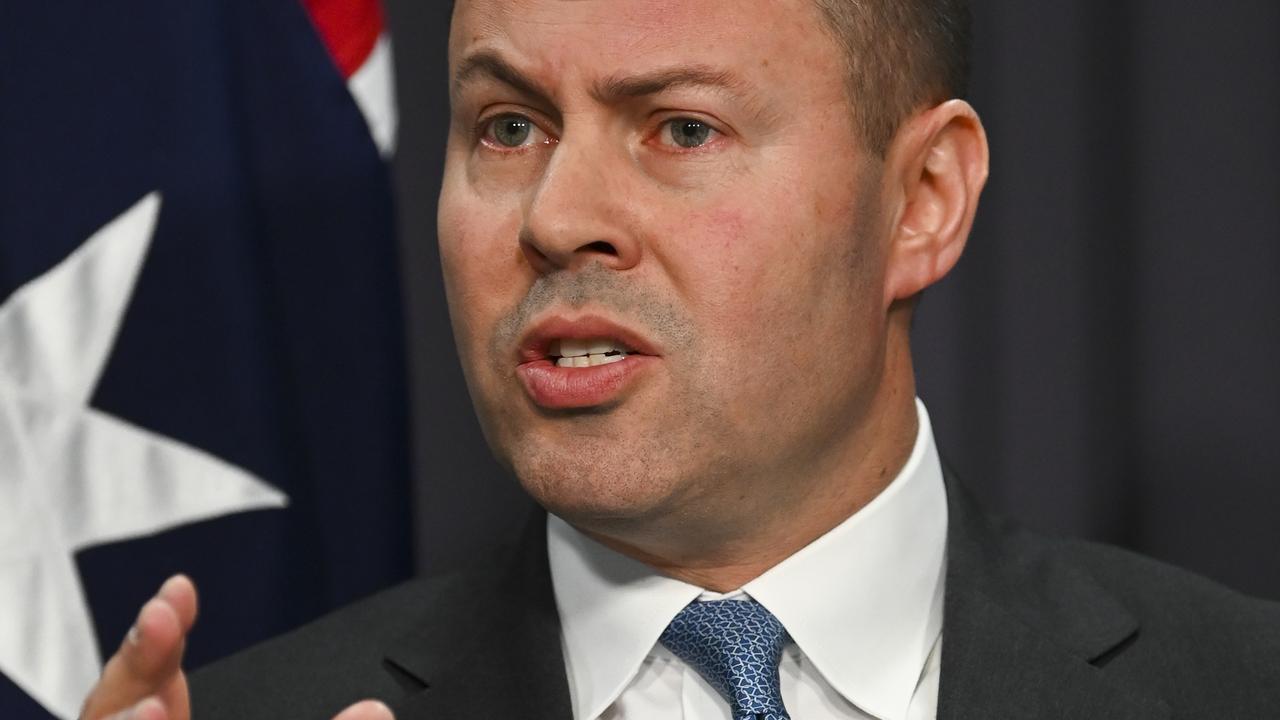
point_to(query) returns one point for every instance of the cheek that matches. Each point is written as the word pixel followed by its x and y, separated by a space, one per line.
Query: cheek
pixel 781 291
pixel 746 268
pixel 478 256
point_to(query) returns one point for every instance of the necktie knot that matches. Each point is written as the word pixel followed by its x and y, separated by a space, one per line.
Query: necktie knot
pixel 736 646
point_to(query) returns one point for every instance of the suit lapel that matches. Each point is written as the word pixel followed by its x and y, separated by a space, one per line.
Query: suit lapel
pixel 489 647
pixel 1024 630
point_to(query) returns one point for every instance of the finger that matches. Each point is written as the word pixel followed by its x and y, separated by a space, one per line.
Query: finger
pixel 145 662
pixel 148 658
pixel 180 593
pixel 148 709
pixel 366 710
pixel 176 697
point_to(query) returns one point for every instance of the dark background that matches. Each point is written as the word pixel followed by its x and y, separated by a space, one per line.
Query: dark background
pixel 1103 362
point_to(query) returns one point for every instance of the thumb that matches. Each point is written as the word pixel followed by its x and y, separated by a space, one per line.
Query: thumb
pixel 366 710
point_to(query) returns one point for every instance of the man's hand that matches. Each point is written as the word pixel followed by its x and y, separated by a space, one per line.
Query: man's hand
pixel 144 679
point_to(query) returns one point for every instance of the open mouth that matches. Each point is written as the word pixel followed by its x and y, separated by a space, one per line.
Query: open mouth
pixel 581 353
pixel 584 362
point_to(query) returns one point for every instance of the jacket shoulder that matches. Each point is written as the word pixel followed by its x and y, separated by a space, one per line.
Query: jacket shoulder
pixel 1205 649
pixel 1194 620
pixel 318 669
pixel 1122 623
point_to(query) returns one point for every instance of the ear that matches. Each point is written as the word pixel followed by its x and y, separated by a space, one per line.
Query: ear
pixel 937 164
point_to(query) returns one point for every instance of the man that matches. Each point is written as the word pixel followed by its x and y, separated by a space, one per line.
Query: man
pixel 682 243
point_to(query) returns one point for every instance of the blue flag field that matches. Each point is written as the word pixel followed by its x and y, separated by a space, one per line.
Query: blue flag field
pixel 201 338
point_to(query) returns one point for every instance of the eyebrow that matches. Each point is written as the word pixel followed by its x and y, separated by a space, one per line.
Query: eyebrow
pixel 609 90
pixel 491 65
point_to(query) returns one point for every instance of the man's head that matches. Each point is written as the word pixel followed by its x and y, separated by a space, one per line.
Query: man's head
pixel 685 182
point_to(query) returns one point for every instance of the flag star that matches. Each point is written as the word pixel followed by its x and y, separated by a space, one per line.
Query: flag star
pixel 72 476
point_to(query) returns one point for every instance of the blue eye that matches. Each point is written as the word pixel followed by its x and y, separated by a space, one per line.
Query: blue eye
pixel 689 133
pixel 511 130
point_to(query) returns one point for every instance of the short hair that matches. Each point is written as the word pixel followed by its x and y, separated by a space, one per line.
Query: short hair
pixel 900 55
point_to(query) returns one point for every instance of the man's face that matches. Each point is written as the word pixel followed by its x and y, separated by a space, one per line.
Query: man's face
pixel 681 184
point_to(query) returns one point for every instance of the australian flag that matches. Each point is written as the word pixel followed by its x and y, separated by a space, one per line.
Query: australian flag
pixel 201 354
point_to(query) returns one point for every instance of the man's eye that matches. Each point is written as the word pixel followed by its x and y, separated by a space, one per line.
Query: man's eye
pixel 511 131
pixel 687 133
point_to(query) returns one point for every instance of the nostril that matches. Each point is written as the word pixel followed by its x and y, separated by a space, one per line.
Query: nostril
pixel 546 256
pixel 600 246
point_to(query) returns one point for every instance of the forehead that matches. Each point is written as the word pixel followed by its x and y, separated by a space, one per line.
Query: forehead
pixel 557 39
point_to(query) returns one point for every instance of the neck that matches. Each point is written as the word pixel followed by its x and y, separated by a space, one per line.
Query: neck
pixel 725 559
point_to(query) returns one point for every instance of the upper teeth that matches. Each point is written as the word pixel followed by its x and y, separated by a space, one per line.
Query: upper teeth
pixel 585 353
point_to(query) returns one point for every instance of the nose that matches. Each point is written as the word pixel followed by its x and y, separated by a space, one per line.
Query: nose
pixel 577 213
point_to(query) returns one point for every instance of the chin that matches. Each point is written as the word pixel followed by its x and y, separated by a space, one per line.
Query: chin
pixel 589 486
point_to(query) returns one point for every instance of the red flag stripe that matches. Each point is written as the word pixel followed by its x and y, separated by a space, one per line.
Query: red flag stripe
pixel 349 29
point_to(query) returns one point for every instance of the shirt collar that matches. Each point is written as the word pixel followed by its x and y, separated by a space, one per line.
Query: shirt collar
pixel 863 602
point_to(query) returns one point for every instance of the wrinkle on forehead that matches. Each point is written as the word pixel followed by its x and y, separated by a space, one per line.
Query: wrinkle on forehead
pixel 632 27
pixel 778 46
pixel 650 14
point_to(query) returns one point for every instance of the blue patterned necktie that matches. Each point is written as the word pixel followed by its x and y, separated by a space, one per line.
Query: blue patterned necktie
pixel 735 645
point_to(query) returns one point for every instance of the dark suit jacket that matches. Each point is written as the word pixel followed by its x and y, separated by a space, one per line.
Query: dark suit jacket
pixel 1033 628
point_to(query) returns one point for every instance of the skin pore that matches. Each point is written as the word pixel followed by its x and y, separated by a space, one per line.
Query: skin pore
pixel 690 171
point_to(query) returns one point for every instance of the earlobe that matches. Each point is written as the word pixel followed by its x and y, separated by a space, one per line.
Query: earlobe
pixel 941 159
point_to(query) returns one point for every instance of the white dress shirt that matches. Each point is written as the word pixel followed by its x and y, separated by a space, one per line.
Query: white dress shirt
pixel 862 603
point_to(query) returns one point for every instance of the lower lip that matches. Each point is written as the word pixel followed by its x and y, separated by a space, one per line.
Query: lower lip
pixel 558 388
